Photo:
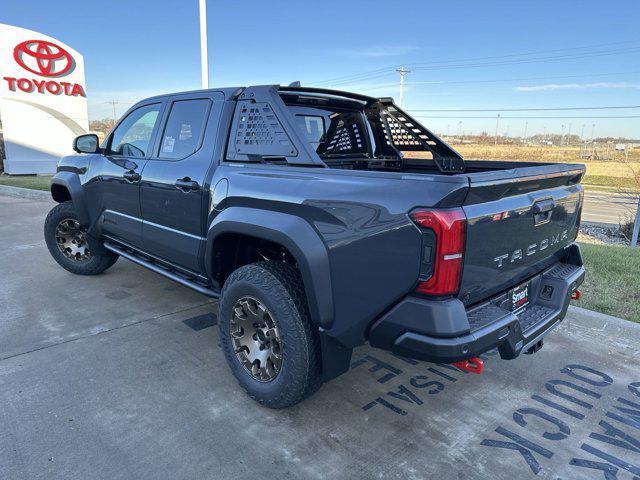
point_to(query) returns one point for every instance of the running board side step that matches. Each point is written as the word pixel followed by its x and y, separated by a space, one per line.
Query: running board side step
pixel 161 269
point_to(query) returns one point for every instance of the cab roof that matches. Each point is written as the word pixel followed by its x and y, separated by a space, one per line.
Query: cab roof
pixel 230 93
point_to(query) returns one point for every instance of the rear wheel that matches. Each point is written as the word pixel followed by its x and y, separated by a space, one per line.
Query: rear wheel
pixel 266 335
pixel 71 246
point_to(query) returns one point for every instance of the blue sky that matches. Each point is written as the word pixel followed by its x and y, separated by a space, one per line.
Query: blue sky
pixel 463 54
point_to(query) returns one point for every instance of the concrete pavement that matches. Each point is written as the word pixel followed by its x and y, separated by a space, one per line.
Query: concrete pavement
pixel 120 376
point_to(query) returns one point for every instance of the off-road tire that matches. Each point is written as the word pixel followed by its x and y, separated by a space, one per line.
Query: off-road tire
pixel 279 287
pixel 99 259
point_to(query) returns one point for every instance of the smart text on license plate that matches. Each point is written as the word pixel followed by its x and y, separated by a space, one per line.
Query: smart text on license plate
pixel 519 296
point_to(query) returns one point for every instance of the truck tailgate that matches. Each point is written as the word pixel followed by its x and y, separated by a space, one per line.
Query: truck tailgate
pixel 519 222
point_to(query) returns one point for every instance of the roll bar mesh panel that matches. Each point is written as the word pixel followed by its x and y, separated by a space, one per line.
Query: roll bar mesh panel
pixel 343 137
pixel 402 133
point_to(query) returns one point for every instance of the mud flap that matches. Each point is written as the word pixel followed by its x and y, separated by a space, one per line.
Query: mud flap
pixel 336 358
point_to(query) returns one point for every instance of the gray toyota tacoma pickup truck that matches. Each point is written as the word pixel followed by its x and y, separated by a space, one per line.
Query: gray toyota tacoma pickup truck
pixel 323 220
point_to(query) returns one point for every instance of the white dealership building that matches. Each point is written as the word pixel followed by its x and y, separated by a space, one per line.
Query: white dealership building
pixel 43 103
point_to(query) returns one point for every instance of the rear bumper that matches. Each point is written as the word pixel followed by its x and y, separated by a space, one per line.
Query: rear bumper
pixel 443 331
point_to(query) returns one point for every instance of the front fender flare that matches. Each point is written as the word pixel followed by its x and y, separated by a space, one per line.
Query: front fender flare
pixel 71 181
pixel 297 236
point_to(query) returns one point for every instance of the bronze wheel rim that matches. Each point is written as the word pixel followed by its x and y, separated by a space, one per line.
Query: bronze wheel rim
pixel 71 239
pixel 256 339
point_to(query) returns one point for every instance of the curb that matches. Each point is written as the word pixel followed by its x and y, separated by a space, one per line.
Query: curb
pixel 599 224
pixel 19 192
pixel 603 317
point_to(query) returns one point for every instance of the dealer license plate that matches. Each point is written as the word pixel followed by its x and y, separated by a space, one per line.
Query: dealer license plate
pixel 518 297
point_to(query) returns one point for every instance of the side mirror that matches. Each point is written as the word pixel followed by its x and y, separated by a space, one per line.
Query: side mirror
pixel 86 143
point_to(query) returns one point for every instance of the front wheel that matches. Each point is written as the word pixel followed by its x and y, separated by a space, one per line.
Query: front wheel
pixel 70 245
pixel 266 335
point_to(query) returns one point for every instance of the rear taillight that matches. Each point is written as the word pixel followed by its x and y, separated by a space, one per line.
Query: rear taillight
pixel 449 227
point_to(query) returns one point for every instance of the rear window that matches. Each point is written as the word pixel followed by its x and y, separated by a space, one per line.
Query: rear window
pixel 182 133
pixel 333 133
pixel 312 126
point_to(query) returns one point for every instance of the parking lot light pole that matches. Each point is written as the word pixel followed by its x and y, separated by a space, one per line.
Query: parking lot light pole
pixel 204 61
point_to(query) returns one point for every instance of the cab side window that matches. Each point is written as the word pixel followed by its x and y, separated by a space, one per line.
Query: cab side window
pixel 183 131
pixel 131 138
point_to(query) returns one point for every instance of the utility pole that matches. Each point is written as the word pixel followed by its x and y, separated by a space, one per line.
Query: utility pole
pixel 448 125
pixel 497 124
pixel 569 134
pixel 636 225
pixel 562 136
pixel 582 134
pixel 593 127
pixel 526 124
pixel 113 106
pixel 402 71
pixel 204 57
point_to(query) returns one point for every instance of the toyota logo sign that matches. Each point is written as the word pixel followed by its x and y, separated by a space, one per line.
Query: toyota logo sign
pixel 43 58
pixel 46 59
pixel 42 99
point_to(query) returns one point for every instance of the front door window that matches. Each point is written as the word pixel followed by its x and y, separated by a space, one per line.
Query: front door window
pixel 131 138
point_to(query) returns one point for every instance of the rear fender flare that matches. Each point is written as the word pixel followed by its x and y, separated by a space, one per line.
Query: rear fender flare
pixel 71 181
pixel 297 236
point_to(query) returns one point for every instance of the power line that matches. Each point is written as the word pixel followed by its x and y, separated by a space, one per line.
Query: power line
pixel 524 79
pixel 442 63
pixel 532 53
pixel 533 60
pixel 480 65
pixel 499 80
pixel 520 109
pixel 343 77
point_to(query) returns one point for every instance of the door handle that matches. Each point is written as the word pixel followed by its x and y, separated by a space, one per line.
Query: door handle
pixel 131 176
pixel 187 184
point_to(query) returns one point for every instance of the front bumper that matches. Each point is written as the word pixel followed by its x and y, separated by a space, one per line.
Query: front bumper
pixel 443 331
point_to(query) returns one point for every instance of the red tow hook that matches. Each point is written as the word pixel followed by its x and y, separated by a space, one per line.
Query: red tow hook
pixel 473 365
pixel 576 294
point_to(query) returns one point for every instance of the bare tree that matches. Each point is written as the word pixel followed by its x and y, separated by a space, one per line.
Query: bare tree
pixel 101 127
pixel 632 195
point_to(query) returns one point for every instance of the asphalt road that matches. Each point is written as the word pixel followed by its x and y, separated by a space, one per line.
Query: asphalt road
pixel 120 376
pixel 607 207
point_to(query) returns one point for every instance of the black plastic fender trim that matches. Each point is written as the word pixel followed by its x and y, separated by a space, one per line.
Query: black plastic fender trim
pixel 297 236
pixel 71 181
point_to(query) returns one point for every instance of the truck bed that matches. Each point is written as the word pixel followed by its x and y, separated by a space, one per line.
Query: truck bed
pixel 507 239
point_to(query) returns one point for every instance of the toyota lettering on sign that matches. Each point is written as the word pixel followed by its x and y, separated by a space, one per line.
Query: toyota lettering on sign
pixel 43 103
